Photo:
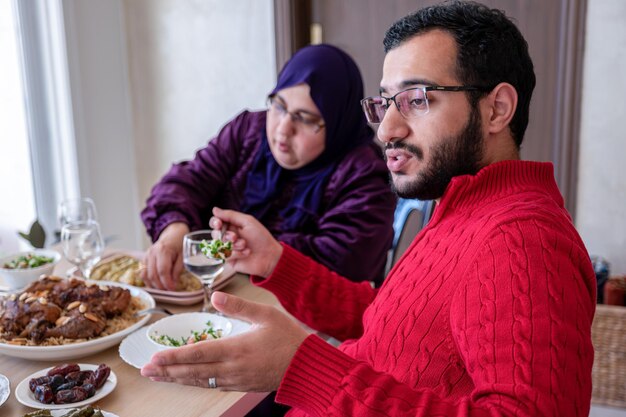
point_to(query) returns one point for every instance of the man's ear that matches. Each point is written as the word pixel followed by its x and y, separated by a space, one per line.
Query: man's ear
pixel 501 103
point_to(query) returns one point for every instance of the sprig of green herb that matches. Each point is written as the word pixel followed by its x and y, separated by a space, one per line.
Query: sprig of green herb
pixel 216 248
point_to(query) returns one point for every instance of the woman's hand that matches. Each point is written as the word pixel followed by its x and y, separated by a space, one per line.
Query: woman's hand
pixel 255 251
pixel 252 361
pixel 164 259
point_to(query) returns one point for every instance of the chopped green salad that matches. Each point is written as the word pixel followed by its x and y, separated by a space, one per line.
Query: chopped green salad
pixel 216 249
pixel 194 338
pixel 28 261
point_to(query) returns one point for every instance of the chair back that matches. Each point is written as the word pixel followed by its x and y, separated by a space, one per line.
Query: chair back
pixel 410 217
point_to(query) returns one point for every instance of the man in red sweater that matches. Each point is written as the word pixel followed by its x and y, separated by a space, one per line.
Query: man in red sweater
pixel 489 311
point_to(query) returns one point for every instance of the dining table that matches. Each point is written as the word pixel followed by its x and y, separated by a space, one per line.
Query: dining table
pixel 137 396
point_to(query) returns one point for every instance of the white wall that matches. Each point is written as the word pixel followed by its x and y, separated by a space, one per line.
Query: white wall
pixel 152 81
pixel 601 205
pixel 194 65
pixel 98 72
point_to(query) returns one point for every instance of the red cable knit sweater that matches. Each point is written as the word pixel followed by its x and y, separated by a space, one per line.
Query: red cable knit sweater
pixel 488 313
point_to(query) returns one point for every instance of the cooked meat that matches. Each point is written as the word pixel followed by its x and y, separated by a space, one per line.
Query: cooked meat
pixel 20 315
pixel 36 330
pixel 45 283
pixel 112 300
pixel 117 301
pixel 12 320
pixel 55 307
pixel 77 325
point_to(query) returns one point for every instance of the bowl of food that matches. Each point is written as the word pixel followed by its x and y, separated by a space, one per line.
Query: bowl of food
pixel 20 269
pixel 83 317
pixel 188 328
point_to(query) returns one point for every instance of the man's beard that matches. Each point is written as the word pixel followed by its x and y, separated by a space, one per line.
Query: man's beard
pixel 454 156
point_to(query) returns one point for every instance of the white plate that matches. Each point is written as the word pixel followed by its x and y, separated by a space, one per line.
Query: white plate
pixel 173 297
pixel 64 411
pixel 192 297
pixel 180 301
pixel 77 350
pixel 5 389
pixel 137 350
pixel 26 397
pixel 60 413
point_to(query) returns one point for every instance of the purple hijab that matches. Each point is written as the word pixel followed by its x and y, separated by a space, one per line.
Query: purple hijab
pixel 336 88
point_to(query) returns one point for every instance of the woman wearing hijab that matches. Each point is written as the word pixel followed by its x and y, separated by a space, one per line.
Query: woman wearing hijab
pixel 307 168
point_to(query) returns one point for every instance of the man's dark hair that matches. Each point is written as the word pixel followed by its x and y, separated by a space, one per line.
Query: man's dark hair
pixel 491 50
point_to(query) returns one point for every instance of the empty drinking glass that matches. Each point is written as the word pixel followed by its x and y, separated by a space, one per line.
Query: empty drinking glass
pixel 76 210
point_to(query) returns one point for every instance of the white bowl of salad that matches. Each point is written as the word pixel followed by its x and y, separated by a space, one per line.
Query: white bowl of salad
pixel 20 269
pixel 188 328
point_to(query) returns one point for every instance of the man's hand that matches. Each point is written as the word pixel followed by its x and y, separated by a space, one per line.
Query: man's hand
pixel 255 251
pixel 164 259
pixel 252 361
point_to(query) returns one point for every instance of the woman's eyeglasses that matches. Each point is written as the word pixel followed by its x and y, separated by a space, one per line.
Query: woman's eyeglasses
pixel 309 122
pixel 410 102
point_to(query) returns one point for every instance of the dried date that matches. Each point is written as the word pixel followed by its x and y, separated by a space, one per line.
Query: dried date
pixel 101 375
pixel 34 382
pixel 79 376
pixel 44 394
pixel 67 385
pixel 55 382
pixel 90 388
pixel 68 396
pixel 51 381
pixel 64 369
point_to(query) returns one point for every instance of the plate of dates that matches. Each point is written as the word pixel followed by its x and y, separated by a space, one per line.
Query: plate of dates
pixel 68 385
pixel 86 411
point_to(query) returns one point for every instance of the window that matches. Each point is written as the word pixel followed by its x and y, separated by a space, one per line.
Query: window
pixel 17 210
pixel 39 62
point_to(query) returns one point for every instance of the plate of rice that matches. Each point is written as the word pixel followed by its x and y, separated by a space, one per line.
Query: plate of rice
pixel 117 328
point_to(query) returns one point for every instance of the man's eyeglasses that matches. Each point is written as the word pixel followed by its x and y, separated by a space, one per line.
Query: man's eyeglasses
pixel 308 121
pixel 410 102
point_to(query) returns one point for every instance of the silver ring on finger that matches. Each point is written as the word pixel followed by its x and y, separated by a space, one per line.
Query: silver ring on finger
pixel 212 383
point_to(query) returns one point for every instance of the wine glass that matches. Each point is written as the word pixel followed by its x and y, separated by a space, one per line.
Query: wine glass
pixel 76 210
pixel 204 267
pixel 82 244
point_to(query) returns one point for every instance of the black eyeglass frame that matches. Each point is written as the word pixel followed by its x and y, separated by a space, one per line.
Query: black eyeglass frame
pixel 295 116
pixel 425 89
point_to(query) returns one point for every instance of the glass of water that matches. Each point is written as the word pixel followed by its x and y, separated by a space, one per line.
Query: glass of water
pixel 204 267
pixel 76 210
pixel 82 244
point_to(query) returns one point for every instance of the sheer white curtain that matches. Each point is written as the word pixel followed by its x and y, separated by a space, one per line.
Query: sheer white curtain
pixel 47 104
pixel 17 207
pixel 78 111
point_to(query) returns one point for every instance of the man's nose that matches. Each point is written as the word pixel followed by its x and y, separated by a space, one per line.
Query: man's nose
pixel 393 126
